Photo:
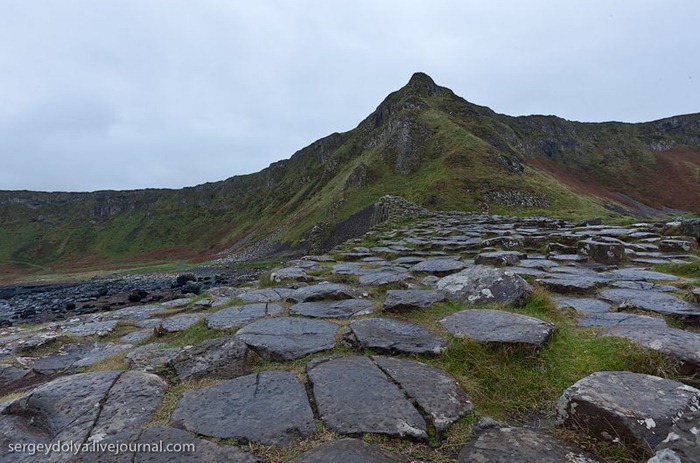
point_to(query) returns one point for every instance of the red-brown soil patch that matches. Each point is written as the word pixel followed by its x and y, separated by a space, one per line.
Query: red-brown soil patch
pixel 671 181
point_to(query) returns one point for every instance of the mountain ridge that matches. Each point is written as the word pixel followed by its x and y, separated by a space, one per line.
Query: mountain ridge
pixel 422 142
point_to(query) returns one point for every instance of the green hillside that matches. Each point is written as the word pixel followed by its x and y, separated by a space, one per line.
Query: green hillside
pixel 423 143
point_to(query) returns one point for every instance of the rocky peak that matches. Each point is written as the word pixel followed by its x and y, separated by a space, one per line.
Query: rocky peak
pixel 422 84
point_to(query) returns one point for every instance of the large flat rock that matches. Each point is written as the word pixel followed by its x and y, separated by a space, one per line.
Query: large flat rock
pixel 384 278
pixel 82 407
pixel 392 336
pixel 436 393
pixel 269 407
pixel 636 408
pixel 482 285
pixel 323 291
pixel 497 326
pixel 288 338
pixel 522 445
pixel 354 396
pixel 438 266
pixel 613 319
pixel 219 358
pixel 659 302
pixel 237 316
pixel 680 344
pixel 411 299
pixel 582 304
pixel 346 308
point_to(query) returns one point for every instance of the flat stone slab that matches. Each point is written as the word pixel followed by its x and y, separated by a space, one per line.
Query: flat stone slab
pixel 178 323
pixel 392 336
pixel 82 407
pixel 499 258
pixel 582 304
pixel 269 407
pixel 662 303
pixel 438 266
pixel 482 285
pixel 411 299
pixel 640 274
pixel 237 316
pixel 680 344
pixel 612 319
pixel 354 396
pixel 98 328
pixel 348 451
pixel 152 357
pixel 633 407
pixel 436 393
pixel 581 285
pixel 351 268
pixel 522 445
pixel 497 326
pixel 323 291
pixel 644 286
pixel 73 356
pixel 288 338
pixel 384 278
pixel 290 273
pixel 219 358
pixel 266 295
pixel 346 308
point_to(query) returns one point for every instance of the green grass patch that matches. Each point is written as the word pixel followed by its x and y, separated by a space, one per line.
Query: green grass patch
pixel 192 336
pixel 686 269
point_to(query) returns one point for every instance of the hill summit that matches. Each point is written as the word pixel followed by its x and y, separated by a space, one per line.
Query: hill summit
pixel 423 143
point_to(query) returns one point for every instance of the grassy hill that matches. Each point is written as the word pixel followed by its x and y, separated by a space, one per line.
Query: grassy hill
pixel 422 142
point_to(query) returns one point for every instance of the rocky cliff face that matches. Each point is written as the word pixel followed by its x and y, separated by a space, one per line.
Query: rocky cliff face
pixel 423 142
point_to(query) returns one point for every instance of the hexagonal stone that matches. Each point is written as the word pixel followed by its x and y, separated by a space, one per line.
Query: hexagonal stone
pixel 269 407
pixel 178 323
pixel 237 316
pixel 680 344
pixel 348 451
pixel 410 299
pixel 602 252
pixel 438 266
pixel 83 406
pixel 219 358
pixel 73 356
pixel 323 291
pixel 582 304
pixel 633 407
pixel 288 338
pixel 354 396
pixel 435 392
pixel 482 285
pixel 391 336
pixel 384 278
pixel 499 258
pixel 640 274
pixel 662 303
pixel 98 328
pixel 266 295
pixel 500 327
pixel 613 319
pixel 347 308
pixel 521 445
pixel 576 285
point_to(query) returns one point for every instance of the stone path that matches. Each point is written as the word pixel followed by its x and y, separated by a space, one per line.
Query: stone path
pixel 328 351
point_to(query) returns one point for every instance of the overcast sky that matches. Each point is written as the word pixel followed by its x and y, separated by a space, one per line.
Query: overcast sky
pixel 102 94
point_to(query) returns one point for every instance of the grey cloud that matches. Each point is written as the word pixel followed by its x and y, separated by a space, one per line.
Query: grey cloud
pixel 148 93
